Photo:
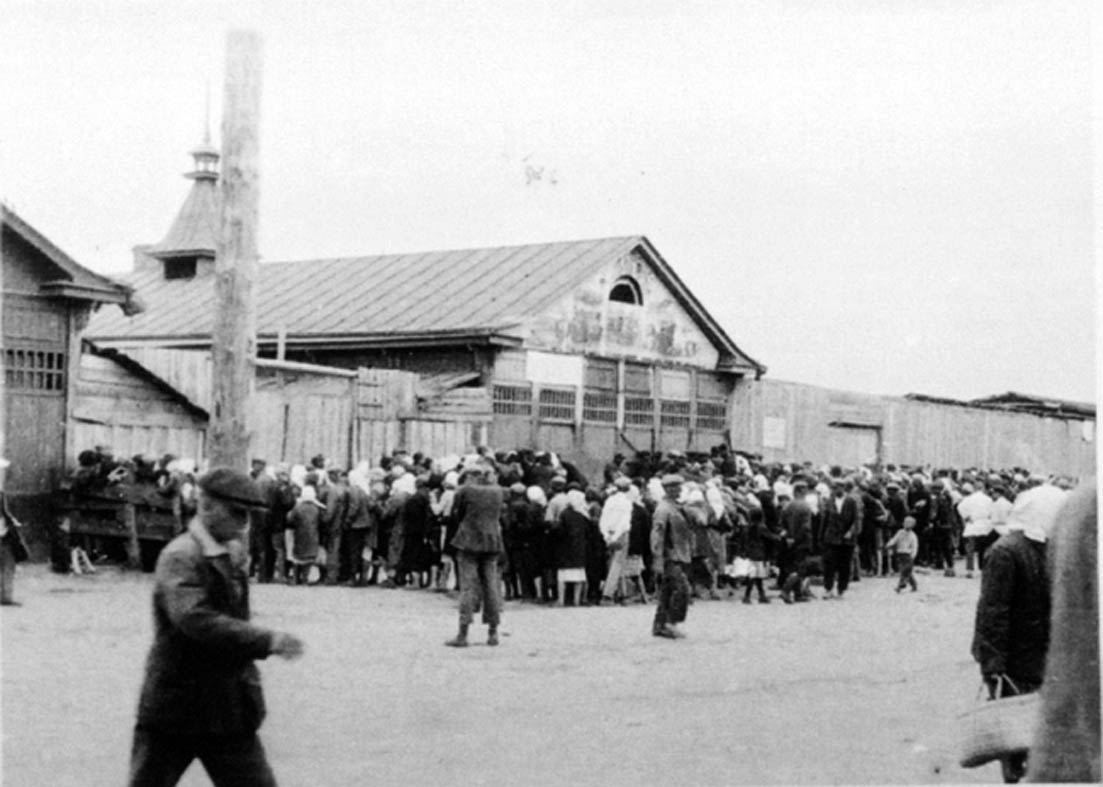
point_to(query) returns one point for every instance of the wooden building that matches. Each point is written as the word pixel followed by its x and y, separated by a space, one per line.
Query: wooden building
pixel 47 300
pixel 585 347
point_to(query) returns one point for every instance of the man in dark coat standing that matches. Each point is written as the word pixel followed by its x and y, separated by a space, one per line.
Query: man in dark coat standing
pixel 671 551
pixel 1011 634
pixel 202 696
pixel 478 542
pixel 841 525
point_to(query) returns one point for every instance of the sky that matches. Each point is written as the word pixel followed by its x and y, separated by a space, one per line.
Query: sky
pixel 878 197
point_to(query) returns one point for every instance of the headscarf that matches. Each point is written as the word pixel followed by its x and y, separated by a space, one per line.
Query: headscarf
pixel 404 484
pixel 1035 511
pixel 298 475
pixel 536 495
pixel 358 477
pixel 576 499
pixel 310 495
pixel 714 499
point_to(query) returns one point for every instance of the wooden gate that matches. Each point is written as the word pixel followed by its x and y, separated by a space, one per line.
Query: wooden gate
pixel 36 379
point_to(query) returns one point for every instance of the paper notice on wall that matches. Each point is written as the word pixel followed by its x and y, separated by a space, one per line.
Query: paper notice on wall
pixel 552 369
pixel 1087 431
pixel 773 432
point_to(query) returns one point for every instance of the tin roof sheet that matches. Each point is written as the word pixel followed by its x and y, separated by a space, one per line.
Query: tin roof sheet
pixel 485 291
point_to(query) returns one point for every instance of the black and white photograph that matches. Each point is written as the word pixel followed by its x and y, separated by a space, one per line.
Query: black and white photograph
pixel 533 392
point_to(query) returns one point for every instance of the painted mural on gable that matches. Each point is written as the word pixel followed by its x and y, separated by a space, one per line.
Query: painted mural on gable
pixel 587 321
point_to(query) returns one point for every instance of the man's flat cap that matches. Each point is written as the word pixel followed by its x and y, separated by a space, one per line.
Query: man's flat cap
pixel 222 483
pixel 671 479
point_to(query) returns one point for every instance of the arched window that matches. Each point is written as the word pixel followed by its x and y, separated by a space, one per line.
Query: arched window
pixel 626 290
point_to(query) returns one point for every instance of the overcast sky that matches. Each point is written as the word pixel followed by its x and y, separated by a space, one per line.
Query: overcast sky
pixel 886 197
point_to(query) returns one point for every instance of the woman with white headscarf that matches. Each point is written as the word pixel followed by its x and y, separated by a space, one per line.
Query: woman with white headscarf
pixel 569 534
pixel 302 526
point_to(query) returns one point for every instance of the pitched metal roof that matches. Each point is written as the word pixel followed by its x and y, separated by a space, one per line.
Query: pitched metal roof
pixel 397 298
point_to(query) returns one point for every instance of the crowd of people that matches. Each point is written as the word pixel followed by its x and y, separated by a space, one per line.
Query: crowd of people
pixel 567 539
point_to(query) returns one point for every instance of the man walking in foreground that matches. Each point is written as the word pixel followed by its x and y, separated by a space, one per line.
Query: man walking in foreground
pixel 672 550
pixel 202 697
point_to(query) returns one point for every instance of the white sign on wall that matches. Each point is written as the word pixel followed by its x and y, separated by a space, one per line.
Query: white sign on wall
pixel 773 432
pixel 553 369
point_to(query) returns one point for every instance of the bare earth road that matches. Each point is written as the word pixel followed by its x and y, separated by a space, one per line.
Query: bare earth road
pixel 860 691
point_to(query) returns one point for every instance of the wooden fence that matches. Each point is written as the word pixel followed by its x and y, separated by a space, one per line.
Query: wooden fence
pixel 300 410
pixel 786 421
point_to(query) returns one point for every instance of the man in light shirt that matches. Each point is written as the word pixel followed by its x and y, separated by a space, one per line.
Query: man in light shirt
pixel 976 515
pixel 615 522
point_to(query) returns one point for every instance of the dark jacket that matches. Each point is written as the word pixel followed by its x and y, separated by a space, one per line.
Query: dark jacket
pixel 841 527
pixel 13 539
pixel 1012 624
pixel 359 514
pixel 639 534
pixel 796 521
pixel 478 509
pixel 200 676
pixel 671 538
pixel 570 534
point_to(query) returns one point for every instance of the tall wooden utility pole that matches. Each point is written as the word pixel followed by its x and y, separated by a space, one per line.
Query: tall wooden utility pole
pixel 234 337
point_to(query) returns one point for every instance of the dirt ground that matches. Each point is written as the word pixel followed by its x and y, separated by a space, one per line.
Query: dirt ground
pixel 863 690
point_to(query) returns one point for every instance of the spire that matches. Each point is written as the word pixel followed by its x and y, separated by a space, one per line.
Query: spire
pixel 194 234
pixel 205 155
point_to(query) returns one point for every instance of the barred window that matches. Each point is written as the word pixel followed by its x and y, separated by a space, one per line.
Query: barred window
pixel 34 370
pixel 639 411
pixel 557 404
pixel 513 399
pixel 712 416
pixel 599 406
pixel 674 413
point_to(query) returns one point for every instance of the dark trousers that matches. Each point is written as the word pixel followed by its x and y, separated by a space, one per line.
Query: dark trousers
pixel 479 579
pixel 794 579
pixel 942 547
pixel 906 564
pixel 355 541
pixel 159 759
pixel 673 596
pixel 836 564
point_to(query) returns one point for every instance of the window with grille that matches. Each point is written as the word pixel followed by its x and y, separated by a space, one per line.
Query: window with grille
pixel 674 413
pixel 557 404
pixel 599 406
pixel 639 411
pixel 513 399
pixel 712 416
pixel 34 370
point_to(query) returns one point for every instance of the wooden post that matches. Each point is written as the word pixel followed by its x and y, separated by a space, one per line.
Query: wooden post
pixel 233 344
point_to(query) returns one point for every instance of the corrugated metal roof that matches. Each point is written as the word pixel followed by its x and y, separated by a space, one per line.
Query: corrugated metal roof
pixel 476 291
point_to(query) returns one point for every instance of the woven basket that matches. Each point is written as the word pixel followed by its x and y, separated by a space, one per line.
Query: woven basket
pixel 994 729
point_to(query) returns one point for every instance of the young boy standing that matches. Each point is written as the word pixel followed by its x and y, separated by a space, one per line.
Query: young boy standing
pixel 906 545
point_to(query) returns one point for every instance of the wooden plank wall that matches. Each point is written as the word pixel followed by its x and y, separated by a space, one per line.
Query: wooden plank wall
pixel 299 415
pixel 913 432
pixel 115 408
pixel 188 371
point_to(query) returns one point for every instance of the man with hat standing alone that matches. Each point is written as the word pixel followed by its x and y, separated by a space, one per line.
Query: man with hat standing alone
pixel 201 697
pixel 672 551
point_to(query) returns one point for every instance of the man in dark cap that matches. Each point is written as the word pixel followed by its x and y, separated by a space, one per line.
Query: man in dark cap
pixel 201 697
pixel 672 551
